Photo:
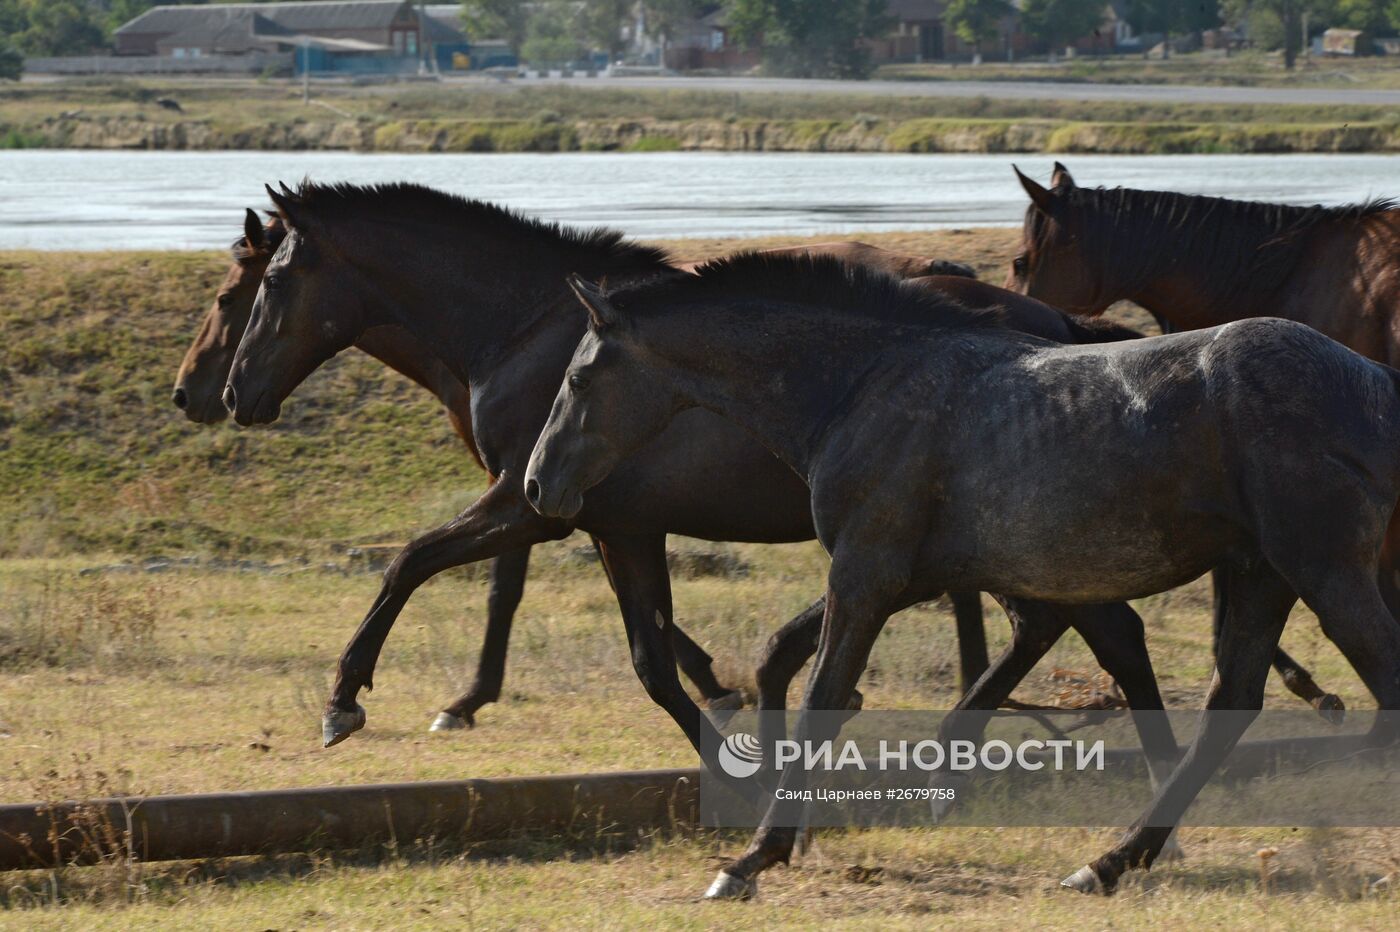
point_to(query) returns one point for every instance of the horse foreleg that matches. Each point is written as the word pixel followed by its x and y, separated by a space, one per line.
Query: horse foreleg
pixel 498 522
pixel 861 596
pixel 1118 639
pixel 508 573
pixel 972 638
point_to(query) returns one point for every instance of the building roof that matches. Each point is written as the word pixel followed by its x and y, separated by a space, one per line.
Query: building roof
pixel 442 24
pixel 294 17
pixel 236 32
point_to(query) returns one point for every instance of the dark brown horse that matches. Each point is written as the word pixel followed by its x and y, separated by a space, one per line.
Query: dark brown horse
pixel 199 386
pixel 1197 262
pixel 1260 448
pixel 359 258
pixel 204 372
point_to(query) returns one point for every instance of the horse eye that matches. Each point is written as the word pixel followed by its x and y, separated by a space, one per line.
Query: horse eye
pixel 225 300
pixel 1018 264
pixel 272 280
pixel 577 382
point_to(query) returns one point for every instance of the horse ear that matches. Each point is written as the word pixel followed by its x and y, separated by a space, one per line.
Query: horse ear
pixel 601 313
pixel 252 229
pixel 1061 179
pixel 1038 195
pixel 288 205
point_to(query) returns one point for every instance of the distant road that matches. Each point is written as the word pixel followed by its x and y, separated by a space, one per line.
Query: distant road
pixel 1005 90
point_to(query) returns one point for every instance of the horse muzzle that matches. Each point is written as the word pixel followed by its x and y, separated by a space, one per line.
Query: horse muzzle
pixel 261 410
pixel 552 499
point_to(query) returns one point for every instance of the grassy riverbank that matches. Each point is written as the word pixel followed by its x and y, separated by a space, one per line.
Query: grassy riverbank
pixel 480 117
pixel 94 457
pixel 1205 68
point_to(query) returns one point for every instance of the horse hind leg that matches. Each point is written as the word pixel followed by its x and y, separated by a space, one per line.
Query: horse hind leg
pixel 1301 684
pixel 508 573
pixel 1295 676
pixel 1260 601
pixel 1355 618
pixel 698 667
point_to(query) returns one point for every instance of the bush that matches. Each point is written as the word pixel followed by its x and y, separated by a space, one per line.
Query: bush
pixel 11 62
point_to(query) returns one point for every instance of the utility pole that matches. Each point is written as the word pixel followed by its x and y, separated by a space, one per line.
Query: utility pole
pixel 305 72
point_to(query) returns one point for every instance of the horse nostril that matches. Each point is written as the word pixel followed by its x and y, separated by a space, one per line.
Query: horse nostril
pixel 181 400
pixel 532 492
pixel 230 398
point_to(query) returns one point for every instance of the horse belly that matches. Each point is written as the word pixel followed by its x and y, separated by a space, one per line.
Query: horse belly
pixel 1113 520
pixel 1111 563
pixel 705 478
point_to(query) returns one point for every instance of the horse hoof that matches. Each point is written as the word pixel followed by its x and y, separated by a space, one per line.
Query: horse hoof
pixel 446 721
pixel 1331 708
pixel 729 887
pixel 731 701
pixel 1086 881
pixel 337 725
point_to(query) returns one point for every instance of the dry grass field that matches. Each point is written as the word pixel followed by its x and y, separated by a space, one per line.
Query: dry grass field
pixel 174 599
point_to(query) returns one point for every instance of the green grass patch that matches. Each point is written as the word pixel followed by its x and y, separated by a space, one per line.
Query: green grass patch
pixel 654 144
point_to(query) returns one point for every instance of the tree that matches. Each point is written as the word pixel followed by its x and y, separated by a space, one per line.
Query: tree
pixel 120 12
pixel 59 27
pixel 1289 14
pixel 497 19
pixel 1173 16
pixel 552 36
pixel 1060 22
pixel 1370 15
pixel 975 21
pixel 663 16
pixel 11 62
pixel 811 38
pixel 601 22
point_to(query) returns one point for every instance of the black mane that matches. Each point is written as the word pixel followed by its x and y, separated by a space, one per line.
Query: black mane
pixel 824 281
pixel 1242 243
pixel 598 249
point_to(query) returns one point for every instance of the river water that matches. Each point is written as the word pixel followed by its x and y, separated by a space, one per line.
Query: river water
pixel 193 200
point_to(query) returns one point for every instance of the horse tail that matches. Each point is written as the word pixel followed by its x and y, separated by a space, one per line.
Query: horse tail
pixel 1098 330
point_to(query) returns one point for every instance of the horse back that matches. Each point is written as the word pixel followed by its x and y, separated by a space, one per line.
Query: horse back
pixel 1026 314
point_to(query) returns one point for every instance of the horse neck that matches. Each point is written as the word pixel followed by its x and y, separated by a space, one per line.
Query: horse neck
pixel 1194 294
pixel 397 349
pixel 472 301
pixel 783 376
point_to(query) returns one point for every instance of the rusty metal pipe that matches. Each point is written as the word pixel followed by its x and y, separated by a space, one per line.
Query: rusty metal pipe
pixel 165 828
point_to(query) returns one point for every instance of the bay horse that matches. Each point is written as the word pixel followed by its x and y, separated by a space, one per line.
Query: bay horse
pixel 1260 448
pixel 1193 261
pixel 204 370
pixel 485 289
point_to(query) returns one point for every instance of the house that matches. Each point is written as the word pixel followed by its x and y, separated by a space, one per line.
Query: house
pixel 919 34
pixel 359 35
pixel 450 49
pixel 1350 42
pixel 704 44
